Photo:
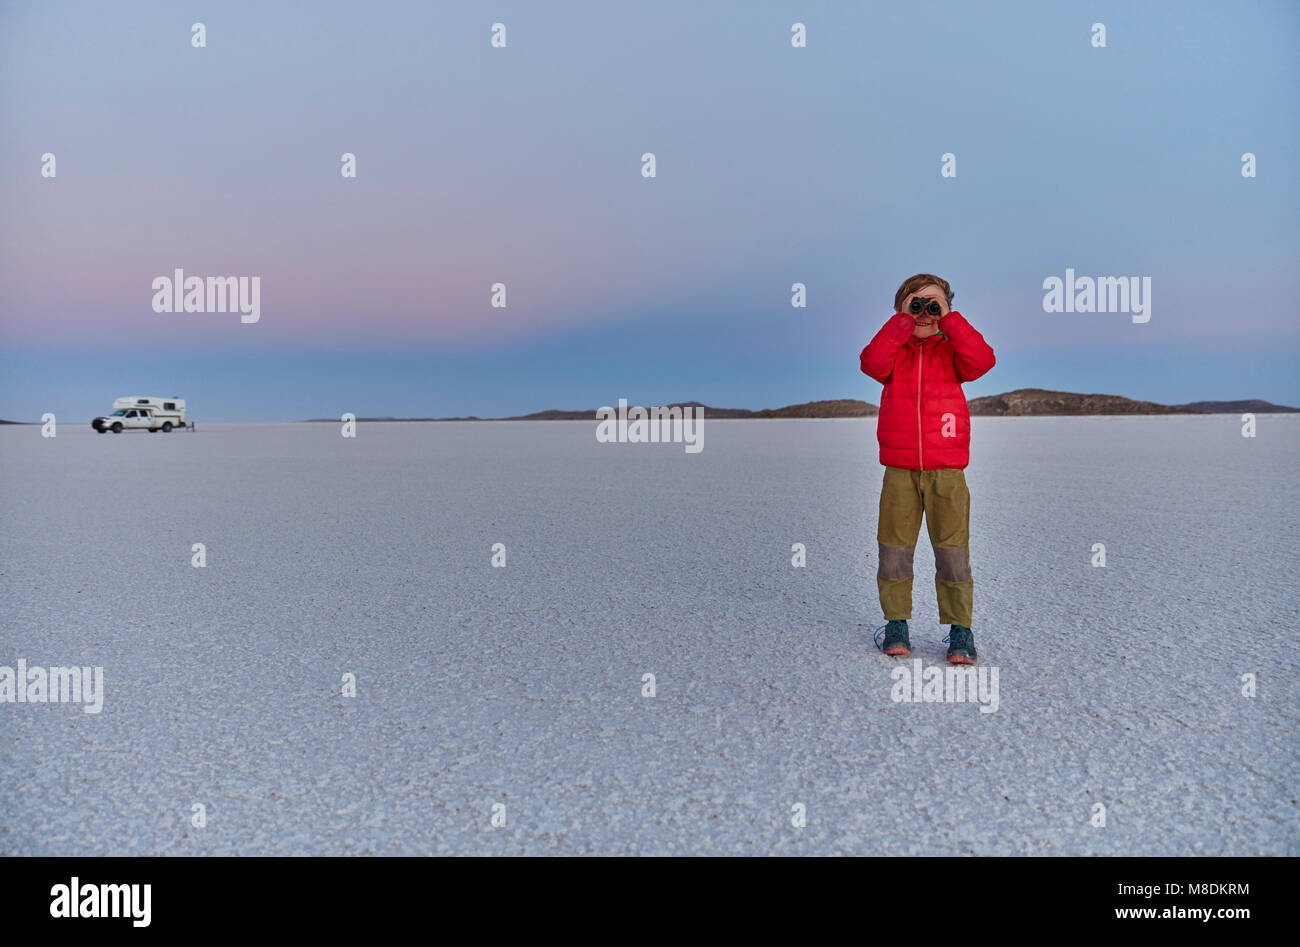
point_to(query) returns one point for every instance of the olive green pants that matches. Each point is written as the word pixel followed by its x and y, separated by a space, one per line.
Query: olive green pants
pixel 940 495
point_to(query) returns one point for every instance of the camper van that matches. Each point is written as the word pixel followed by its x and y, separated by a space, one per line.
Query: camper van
pixel 144 414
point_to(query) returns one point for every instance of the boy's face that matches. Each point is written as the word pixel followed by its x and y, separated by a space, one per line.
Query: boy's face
pixel 926 324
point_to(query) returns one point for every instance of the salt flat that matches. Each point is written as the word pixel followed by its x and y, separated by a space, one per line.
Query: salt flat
pixel 522 685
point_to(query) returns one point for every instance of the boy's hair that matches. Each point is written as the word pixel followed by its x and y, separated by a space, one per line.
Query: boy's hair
pixel 913 283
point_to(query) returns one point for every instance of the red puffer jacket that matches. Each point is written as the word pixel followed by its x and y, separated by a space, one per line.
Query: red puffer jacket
pixel 922 379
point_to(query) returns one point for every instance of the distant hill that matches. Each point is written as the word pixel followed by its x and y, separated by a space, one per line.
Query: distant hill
pixel 555 415
pixel 1038 401
pixel 394 420
pixel 1023 402
pixel 842 408
pixel 1254 406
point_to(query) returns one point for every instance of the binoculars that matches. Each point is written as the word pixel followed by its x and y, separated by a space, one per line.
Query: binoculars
pixel 928 306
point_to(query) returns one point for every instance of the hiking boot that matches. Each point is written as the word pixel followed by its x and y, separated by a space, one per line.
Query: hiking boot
pixel 961 645
pixel 895 643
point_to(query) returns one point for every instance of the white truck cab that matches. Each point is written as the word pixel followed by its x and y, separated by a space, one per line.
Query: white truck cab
pixel 142 413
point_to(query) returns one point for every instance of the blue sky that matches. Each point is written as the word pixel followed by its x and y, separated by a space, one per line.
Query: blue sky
pixel 522 165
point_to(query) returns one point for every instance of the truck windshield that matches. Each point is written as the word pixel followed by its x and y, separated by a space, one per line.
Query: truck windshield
pixel 119 414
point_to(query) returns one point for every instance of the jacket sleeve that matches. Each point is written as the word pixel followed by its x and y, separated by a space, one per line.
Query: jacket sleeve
pixel 973 356
pixel 878 357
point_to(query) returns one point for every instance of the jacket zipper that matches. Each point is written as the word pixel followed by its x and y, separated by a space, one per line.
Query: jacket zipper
pixel 920 364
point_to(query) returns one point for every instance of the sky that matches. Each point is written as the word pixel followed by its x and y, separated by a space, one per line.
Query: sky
pixel 522 165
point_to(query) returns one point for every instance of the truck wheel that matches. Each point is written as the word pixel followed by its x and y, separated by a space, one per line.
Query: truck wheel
pixel 117 427
pixel 167 427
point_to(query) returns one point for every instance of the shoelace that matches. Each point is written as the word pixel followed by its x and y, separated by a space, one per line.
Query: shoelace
pixel 959 637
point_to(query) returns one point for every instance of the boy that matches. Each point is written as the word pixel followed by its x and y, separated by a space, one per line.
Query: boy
pixel 922 355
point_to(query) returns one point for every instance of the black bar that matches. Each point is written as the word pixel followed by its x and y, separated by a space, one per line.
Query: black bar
pixel 334 896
